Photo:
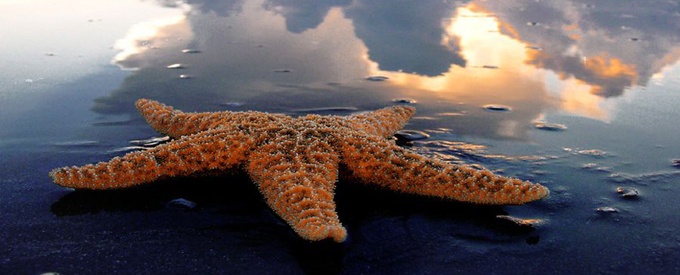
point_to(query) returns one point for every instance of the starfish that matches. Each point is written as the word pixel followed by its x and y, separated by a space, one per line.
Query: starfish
pixel 295 162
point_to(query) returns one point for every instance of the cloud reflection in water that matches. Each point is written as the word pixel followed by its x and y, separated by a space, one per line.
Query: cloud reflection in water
pixel 458 55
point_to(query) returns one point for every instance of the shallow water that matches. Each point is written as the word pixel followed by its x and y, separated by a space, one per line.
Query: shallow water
pixel 580 96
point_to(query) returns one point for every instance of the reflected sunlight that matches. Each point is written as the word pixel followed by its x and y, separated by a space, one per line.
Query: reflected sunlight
pixel 149 35
pixel 502 69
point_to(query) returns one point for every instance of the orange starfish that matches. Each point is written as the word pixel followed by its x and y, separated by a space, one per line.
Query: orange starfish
pixel 295 162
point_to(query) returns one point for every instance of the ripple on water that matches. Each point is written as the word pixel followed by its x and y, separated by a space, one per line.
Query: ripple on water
pixel 596 167
pixel 77 143
pixel 644 178
pixel 587 152
pixel 150 142
pixel 128 149
pixel 232 104
pixel 334 109
pixel 497 108
pixel 461 113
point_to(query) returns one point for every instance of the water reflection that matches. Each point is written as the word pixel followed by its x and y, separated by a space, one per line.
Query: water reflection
pixel 609 45
pixel 450 56
pixel 303 15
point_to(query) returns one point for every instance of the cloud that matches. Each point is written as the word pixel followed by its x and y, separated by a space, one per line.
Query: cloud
pixel 610 45
pixel 302 15
pixel 407 36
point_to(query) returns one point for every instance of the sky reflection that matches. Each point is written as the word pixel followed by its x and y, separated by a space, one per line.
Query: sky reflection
pixel 537 57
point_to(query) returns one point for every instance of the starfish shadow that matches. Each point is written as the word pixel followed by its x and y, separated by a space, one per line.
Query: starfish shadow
pixel 232 191
pixel 247 216
pixel 359 204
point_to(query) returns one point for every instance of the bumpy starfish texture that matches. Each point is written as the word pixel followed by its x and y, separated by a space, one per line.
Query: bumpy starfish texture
pixel 295 162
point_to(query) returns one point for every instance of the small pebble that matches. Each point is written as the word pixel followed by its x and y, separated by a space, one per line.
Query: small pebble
pixel 606 209
pixel 541 125
pixel 175 66
pixel 676 163
pixel 497 108
pixel 80 143
pixel 521 222
pixel 327 109
pixel 190 51
pixel 411 135
pixel 627 192
pixel 404 100
pixel 183 204
pixel 377 78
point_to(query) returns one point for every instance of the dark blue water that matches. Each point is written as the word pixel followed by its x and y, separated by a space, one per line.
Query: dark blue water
pixel 580 96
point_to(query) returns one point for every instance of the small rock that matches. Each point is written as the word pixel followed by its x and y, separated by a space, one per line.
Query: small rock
pixel 521 222
pixel 606 209
pixel 542 125
pixel 377 78
pixel 676 163
pixel 175 66
pixel 182 204
pixel 627 192
pixel 404 100
pixel 190 51
pixel 497 108
pixel 411 135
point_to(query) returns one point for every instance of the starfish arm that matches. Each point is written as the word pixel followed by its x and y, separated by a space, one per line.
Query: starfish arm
pixel 175 123
pixel 298 182
pixel 377 161
pixel 384 122
pixel 203 152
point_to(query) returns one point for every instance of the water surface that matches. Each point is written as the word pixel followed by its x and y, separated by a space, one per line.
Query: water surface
pixel 580 96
